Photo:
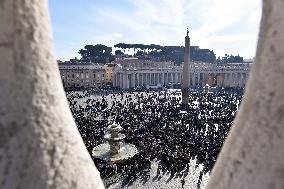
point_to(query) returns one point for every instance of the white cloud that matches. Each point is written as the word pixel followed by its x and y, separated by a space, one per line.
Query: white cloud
pixel 221 14
pixel 225 26
pixel 254 16
pixel 229 38
pixel 163 12
pixel 119 18
pixel 118 35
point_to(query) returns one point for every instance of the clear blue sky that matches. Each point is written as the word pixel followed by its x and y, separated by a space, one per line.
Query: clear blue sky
pixel 225 26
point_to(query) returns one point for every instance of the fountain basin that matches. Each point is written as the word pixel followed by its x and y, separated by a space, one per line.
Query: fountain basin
pixel 125 151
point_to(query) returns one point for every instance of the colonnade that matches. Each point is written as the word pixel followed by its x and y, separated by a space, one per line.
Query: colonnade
pixel 126 80
pixel 221 79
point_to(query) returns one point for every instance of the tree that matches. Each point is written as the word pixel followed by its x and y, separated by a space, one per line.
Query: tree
pixel 96 53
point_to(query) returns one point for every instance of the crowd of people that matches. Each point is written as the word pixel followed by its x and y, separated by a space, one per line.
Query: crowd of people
pixel 162 129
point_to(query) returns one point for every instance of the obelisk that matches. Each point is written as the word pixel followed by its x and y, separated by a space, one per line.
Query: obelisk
pixel 186 71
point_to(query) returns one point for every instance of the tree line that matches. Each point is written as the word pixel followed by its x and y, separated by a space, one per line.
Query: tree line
pixel 102 54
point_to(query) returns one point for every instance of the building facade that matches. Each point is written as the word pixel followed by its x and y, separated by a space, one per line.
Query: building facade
pixel 108 73
pixel 137 73
pixel 82 75
pixel 221 75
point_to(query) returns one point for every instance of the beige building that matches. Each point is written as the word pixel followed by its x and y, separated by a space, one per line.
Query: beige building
pixel 108 73
pixel 84 75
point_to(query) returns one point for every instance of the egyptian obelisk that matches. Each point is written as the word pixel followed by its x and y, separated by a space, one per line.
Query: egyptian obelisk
pixel 186 71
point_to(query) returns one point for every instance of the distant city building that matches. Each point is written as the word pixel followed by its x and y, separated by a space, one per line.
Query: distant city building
pixel 249 60
pixel 108 73
pixel 130 73
pixel 83 75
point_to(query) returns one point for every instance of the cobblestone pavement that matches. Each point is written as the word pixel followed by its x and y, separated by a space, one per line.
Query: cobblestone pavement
pixel 164 181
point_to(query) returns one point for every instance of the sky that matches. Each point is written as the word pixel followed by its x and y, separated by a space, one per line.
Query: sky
pixel 225 26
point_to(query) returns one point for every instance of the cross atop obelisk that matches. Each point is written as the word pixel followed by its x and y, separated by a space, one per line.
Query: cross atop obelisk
pixel 187 32
pixel 186 71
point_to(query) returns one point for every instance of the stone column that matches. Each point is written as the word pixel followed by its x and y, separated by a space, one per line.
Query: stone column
pixel 127 81
pixel 193 79
pixel 252 155
pixel 133 79
pixel 198 78
pixel 231 80
pixel 225 80
pixel 204 80
pixel 147 79
pixel 117 79
pixel 122 80
pixel 113 79
pixel 138 79
pixel 156 79
pixel 177 76
pixel 141 79
pixel 40 146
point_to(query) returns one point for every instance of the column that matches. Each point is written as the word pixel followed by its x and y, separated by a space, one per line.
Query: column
pixel 155 79
pixel 225 80
pixel 133 80
pixel 127 81
pixel 176 74
pixel 198 78
pixel 120 80
pixel 137 77
pixel 231 79
pixel 114 79
pixel 163 79
pixel 193 79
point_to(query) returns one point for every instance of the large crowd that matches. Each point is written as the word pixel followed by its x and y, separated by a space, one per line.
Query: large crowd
pixel 160 127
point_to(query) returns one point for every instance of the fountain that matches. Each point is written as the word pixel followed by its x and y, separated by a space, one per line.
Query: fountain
pixel 114 149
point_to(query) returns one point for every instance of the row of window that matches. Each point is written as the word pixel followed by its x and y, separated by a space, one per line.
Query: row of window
pixel 81 75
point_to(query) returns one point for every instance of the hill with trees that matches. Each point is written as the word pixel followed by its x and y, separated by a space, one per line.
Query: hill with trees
pixel 102 54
